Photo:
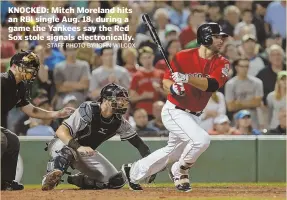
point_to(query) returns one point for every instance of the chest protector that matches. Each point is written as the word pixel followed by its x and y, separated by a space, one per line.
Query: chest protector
pixel 98 131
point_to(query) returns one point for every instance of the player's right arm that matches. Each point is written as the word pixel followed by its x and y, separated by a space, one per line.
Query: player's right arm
pixel 63 134
pixel 76 122
pixel 212 83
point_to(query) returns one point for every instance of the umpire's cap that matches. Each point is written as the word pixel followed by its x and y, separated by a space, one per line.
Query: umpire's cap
pixel 206 31
pixel 26 59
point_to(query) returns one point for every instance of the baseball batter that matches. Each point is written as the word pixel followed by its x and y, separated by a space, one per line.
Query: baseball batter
pixel 197 74
pixel 87 128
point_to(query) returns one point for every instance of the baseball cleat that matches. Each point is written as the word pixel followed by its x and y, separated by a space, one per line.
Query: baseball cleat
pixel 51 180
pixel 84 182
pixel 11 185
pixel 126 170
pixel 76 179
pixel 182 183
pixel 184 187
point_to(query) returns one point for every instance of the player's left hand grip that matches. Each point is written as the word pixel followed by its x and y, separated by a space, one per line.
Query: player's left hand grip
pixel 177 89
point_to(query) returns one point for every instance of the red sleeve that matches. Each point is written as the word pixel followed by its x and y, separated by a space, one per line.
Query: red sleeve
pixel 221 72
pixel 134 83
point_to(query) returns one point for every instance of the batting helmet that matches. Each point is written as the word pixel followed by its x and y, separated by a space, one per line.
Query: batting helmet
pixel 206 31
pixel 118 96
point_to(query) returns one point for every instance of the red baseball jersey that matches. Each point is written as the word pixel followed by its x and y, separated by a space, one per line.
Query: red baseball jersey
pixel 189 62
pixel 143 82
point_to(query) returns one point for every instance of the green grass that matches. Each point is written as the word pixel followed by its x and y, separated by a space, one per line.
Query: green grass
pixel 222 198
pixel 224 184
pixel 283 185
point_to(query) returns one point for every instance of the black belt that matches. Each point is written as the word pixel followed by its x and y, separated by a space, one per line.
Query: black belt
pixel 191 112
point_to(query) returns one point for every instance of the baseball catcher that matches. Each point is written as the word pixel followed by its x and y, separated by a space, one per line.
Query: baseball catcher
pixel 87 128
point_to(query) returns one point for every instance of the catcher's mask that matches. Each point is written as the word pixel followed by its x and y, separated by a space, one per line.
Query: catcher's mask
pixel 118 96
pixel 28 63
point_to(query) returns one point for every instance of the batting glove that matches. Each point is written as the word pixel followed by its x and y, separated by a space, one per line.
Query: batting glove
pixel 177 89
pixel 179 77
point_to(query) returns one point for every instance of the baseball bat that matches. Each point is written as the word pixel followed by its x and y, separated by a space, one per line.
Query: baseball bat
pixel 156 39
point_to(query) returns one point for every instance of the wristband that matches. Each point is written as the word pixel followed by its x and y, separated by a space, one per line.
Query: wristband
pixel 74 144
pixel 171 90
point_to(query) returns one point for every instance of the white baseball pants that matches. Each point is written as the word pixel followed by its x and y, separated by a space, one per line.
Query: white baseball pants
pixel 187 141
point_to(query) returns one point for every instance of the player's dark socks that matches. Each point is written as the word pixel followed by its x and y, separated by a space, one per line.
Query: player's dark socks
pixel 11 185
pixel 126 170
pixel 52 179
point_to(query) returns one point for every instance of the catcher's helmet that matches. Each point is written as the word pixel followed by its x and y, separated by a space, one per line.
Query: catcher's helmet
pixel 118 96
pixel 26 60
pixel 205 32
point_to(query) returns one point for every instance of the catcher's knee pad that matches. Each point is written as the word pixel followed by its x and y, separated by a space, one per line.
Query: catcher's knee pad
pixel 62 161
pixel 84 182
pixel 117 181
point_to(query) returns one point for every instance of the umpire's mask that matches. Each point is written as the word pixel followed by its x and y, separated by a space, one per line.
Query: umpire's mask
pixel 28 63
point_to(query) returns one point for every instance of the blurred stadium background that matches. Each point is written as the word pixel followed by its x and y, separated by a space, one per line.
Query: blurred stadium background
pixel 247 118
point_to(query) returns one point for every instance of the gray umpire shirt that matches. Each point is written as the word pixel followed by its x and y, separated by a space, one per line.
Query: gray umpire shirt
pixel 89 128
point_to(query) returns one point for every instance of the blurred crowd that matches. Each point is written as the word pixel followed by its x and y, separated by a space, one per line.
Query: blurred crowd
pixel 252 102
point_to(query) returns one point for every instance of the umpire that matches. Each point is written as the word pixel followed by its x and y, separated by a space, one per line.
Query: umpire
pixel 24 67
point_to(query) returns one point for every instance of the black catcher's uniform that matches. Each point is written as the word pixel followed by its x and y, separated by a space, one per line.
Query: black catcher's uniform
pixel 89 128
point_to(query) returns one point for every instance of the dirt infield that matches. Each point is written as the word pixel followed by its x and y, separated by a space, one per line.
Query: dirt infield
pixel 236 192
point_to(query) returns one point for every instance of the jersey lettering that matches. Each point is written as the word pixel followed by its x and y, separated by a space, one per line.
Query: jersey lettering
pixel 189 62
pixel 102 130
